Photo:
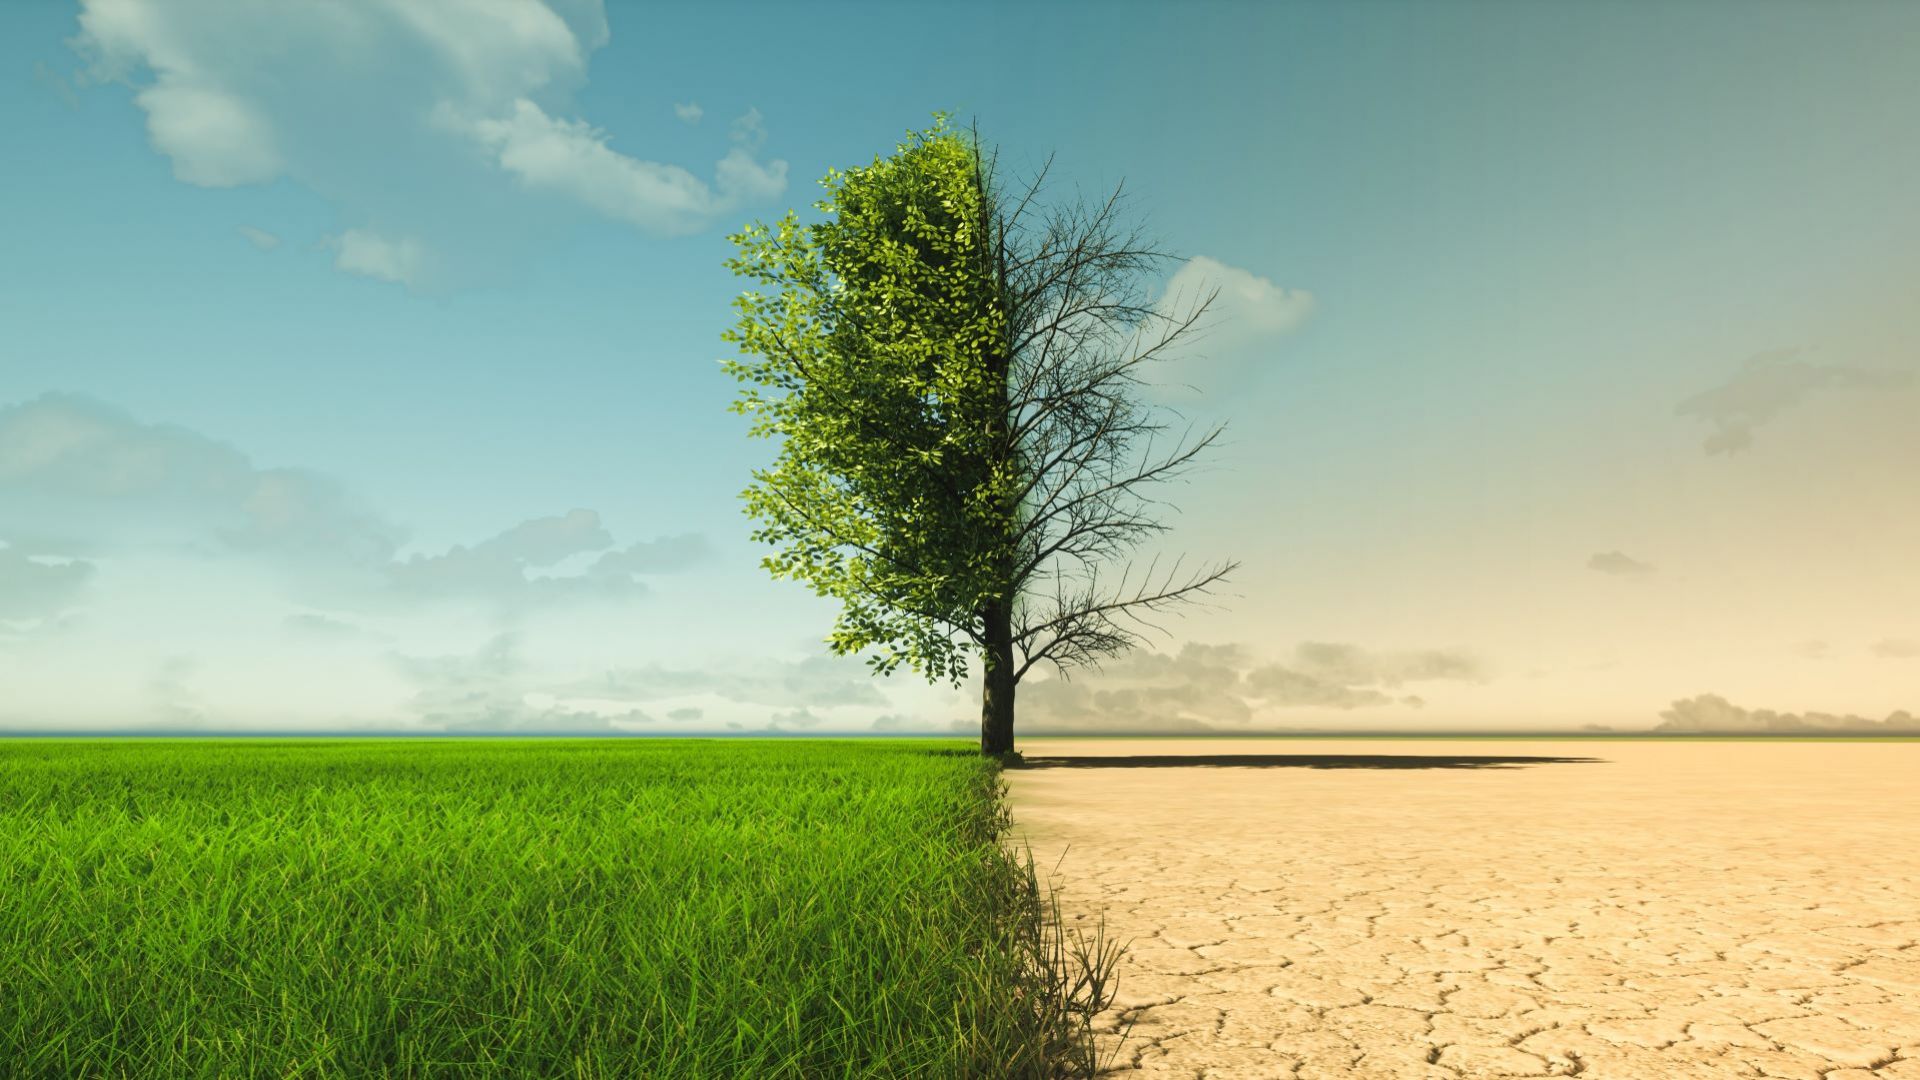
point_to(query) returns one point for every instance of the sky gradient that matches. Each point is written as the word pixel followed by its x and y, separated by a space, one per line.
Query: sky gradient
pixel 360 360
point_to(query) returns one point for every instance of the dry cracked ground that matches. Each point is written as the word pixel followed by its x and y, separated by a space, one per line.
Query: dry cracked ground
pixel 1447 909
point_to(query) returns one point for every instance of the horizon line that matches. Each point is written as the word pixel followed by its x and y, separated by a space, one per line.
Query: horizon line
pixel 1648 733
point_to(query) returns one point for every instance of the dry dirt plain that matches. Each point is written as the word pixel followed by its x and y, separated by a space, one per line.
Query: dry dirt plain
pixel 1420 908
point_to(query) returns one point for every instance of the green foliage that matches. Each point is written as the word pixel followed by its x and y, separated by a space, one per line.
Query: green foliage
pixel 590 908
pixel 879 361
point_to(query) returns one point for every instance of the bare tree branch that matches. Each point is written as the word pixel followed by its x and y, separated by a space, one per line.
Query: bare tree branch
pixel 1083 626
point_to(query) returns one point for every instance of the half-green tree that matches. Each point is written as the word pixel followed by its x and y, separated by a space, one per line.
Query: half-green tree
pixel 953 375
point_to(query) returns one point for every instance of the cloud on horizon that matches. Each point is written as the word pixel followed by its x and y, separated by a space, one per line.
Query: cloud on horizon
pixel 796 718
pixel 173 702
pixel 484 691
pixel 496 688
pixel 818 682
pixel 1193 690
pixel 1769 384
pixel 1713 714
pixel 1221 687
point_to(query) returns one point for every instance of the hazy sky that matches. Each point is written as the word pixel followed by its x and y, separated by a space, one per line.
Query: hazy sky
pixel 359 358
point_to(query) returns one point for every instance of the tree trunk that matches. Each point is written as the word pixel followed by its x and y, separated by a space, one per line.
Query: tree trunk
pixel 996 697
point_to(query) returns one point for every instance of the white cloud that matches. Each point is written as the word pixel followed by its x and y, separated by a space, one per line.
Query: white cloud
pixel 214 138
pixel 497 569
pixel 361 251
pixel 690 111
pixel 214 135
pixel 259 238
pixel 1247 309
pixel 227 81
pixel 742 179
pixel 501 49
pixel 572 158
pixel 380 105
pixel 1896 649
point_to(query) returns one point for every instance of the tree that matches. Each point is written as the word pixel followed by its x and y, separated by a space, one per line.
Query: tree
pixel 953 374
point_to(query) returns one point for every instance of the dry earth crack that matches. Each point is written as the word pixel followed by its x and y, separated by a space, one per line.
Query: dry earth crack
pixel 1675 909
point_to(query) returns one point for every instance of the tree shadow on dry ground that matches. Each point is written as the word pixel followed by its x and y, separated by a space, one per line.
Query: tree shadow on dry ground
pixel 1298 761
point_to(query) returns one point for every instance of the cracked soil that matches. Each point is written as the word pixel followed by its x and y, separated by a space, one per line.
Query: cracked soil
pixel 1446 909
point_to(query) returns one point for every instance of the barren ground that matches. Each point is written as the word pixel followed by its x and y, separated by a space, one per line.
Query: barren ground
pixel 1396 909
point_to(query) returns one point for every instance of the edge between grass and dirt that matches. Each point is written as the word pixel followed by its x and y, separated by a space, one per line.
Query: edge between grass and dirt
pixel 1063 978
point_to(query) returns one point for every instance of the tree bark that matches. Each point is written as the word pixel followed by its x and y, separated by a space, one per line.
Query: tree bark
pixel 996 696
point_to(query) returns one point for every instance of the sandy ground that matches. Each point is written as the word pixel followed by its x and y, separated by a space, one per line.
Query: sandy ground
pixel 1399 909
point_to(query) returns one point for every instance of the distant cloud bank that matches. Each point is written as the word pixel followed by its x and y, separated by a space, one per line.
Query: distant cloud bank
pixel 496 688
pixel 1222 687
pixel 1713 714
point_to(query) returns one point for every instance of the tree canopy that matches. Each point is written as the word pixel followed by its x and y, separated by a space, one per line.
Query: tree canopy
pixel 954 392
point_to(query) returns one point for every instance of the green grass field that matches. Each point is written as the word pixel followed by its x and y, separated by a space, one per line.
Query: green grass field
pixel 617 908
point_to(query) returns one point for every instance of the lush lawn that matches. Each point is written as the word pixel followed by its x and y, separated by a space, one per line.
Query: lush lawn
pixel 620 908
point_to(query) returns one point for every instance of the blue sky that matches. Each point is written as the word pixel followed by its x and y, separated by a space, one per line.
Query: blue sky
pixel 1568 354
